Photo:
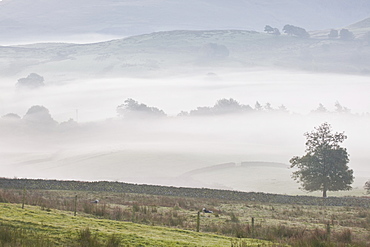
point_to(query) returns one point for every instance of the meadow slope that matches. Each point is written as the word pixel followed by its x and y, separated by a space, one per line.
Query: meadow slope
pixel 60 228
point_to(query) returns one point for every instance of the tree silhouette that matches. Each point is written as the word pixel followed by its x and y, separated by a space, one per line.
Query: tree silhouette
pixel 276 32
pixel 296 31
pixel 131 108
pixel 32 81
pixel 268 29
pixel 320 109
pixel 324 166
pixel 345 34
pixel 333 34
pixel 258 106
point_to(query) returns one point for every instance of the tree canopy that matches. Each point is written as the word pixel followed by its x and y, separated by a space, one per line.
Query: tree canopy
pixel 222 106
pixel 272 30
pixel 333 34
pixel 131 108
pixel 39 115
pixel 345 34
pixel 296 31
pixel 269 29
pixel 32 81
pixel 324 166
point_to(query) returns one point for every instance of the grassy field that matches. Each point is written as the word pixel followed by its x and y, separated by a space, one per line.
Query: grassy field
pixel 167 216
pixel 53 227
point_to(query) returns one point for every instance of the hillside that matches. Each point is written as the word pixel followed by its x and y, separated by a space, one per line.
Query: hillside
pixel 361 28
pixel 37 20
pixel 162 52
pixel 365 24
pixel 61 228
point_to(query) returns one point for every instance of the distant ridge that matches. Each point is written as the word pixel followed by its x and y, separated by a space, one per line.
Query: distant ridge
pixel 230 166
pixel 361 24
pixel 209 169
pixel 160 52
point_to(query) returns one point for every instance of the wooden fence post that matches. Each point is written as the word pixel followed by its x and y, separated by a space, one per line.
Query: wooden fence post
pixel 198 221
pixel 252 226
pixel 328 230
pixel 23 197
pixel 75 209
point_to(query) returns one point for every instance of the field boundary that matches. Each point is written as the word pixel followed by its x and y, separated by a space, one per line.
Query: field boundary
pixel 227 195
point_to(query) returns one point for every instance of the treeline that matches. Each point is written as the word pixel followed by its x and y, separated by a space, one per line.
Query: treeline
pixel 132 108
pixel 39 116
pixel 342 34
pixel 119 187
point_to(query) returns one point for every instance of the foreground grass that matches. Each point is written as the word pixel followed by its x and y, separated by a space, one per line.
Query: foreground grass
pixel 284 220
pixel 37 227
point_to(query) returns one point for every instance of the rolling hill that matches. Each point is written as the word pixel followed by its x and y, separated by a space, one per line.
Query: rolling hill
pixel 161 52
pixel 361 29
pixel 365 24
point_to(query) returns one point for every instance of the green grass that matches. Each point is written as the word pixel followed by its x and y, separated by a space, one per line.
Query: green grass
pixel 293 220
pixel 61 228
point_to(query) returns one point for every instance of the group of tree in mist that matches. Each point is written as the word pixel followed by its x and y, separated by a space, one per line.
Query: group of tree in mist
pixel 32 81
pixel 324 167
pixel 36 117
pixel 131 109
pixel 341 34
pixel 289 30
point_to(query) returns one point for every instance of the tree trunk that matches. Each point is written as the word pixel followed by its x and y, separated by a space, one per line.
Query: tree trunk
pixel 325 187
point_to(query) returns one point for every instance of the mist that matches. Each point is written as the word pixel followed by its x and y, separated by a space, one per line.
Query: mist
pixel 89 141
pixel 196 93
pixel 97 99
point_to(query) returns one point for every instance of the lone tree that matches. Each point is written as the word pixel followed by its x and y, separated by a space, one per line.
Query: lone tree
pixel 32 81
pixel 324 166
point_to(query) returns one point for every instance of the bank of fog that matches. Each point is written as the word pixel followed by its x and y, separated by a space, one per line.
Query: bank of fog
pixel 154 148
pixel 155 131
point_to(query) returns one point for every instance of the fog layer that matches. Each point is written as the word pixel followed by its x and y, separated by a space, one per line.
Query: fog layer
pixel 173 150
